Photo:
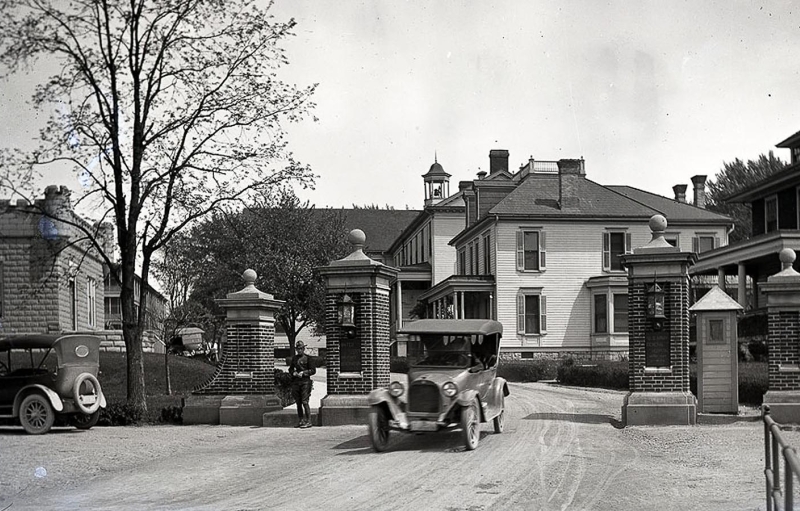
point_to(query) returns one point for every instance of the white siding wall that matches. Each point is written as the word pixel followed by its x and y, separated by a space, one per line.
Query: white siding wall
pixel 444 226
pixel 574 254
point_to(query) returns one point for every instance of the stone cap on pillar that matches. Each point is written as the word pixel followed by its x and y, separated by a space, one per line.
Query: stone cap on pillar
pixel 658 259
pixel 357 269
pixel 783 289
pixel 250 296
pixel 787 273
pixel 658 226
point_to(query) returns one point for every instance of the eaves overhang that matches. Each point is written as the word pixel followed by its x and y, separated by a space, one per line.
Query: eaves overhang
pixel 747 250
pixel 769 185
pixel 454 283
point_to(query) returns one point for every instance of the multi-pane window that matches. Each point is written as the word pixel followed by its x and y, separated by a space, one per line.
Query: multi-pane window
pixel 704 243
pixel 113 306
pixel 618 313
pixel 600 314
pixel 487 255
pixel 73 304
pixel 771 214
pixel 531 254
pixel 91 302
pixel 473 249
pixel 531 313
pixel 715 332
pixel 462 261
pixel 615 244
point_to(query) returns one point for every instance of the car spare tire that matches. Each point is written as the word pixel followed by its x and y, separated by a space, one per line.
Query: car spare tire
pixel 86 403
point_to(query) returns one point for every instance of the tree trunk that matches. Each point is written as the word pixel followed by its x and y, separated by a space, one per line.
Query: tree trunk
pixel 132 334
pixel 166 371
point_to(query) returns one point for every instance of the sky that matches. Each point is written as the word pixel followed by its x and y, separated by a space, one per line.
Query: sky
pixel 649 93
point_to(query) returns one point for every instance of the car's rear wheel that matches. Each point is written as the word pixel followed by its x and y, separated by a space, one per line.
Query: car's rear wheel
pixel 83 421
pixel 379 428
pixel 500 421
pixel 86 393
pixel 470 426
pixel 36 414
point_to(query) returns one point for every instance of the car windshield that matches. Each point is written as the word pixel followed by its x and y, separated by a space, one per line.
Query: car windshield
pixel 444 351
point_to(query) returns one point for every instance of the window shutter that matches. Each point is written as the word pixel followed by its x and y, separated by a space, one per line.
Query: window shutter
pixel 716 242
pixel 542 252
pixel 521 314
pixel 543 314
pixel 628 243
pixel 520 251
pixel 606 251
pixel 695 244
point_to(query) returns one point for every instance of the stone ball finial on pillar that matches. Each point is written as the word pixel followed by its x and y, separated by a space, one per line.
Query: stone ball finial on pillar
pixel 250 277
pixel 357 238
pixel 658 225
pixel 787 257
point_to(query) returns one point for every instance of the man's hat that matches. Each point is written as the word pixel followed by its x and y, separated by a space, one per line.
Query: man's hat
pixel 299 344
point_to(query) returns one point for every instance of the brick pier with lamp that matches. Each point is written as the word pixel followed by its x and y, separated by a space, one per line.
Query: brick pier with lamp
pixel 357 333
pixel 782 291
pixel 243 388
pixel 658 332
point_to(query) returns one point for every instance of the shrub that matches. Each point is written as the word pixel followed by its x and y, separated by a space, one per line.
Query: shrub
pixel 602 373
pixel 119 414
pixel 527 371
pixel 398 365
pixel 283 387
pixel 172 414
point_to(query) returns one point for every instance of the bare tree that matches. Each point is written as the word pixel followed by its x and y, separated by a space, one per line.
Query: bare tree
pixel 167 109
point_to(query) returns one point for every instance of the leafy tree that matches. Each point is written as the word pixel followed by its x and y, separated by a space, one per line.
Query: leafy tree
pixel 733 178
pixel 165 109
pixel 283 240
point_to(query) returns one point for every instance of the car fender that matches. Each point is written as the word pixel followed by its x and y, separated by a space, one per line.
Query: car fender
pixel 467 397
pixel 52 396
pixel 382 395
pixel 497 394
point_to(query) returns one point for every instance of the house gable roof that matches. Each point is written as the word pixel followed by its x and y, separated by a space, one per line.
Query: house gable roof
pixel 673 210
pixel 381 226
pixel 538 196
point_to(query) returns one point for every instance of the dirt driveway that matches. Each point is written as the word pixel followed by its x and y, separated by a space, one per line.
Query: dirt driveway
pixel 562 448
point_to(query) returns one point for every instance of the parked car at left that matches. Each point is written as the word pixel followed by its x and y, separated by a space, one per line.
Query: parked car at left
pixel 35 392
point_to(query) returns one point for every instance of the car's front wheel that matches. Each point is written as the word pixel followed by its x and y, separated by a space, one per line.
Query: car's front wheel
pixel 36 414
pixel 378 428
pixel 83 421
pixel 470 426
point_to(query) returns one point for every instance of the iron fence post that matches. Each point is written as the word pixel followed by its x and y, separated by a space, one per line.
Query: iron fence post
pixel 787 486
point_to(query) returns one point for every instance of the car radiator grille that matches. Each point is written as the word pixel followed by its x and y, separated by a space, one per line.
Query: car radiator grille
pixel 423 397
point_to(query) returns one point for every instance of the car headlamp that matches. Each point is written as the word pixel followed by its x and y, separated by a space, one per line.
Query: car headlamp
pixel 396 389
pixel 449 389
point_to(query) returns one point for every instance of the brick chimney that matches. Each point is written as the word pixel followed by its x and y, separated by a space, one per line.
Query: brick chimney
pixel 699 183
pixel 481 174
pixel 680 192
pixel 569 172
pixel 498 160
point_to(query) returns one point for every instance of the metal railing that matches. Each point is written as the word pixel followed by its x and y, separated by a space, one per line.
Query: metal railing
pixel 776 448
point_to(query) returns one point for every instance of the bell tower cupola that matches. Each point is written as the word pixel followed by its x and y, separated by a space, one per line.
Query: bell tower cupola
pixel 437 184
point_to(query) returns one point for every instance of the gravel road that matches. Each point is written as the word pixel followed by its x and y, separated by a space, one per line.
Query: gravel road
pixel 562 448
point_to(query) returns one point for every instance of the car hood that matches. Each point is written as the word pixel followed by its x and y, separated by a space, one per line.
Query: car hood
pixel 436 375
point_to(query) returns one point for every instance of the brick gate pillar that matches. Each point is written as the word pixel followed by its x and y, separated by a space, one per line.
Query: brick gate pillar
pixel 357 333
pixel 243 388
pixel 658 333
pixel 783 338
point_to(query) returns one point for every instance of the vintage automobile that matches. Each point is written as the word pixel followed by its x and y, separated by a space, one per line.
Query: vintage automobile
pixel 36 389
pixel 451 383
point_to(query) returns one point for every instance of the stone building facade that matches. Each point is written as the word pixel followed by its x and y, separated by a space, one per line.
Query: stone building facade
pixel 51 279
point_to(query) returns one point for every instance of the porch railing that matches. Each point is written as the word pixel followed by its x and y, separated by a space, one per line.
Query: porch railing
pixel 775 448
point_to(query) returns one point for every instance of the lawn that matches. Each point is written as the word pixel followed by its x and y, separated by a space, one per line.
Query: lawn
pixel 185 375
